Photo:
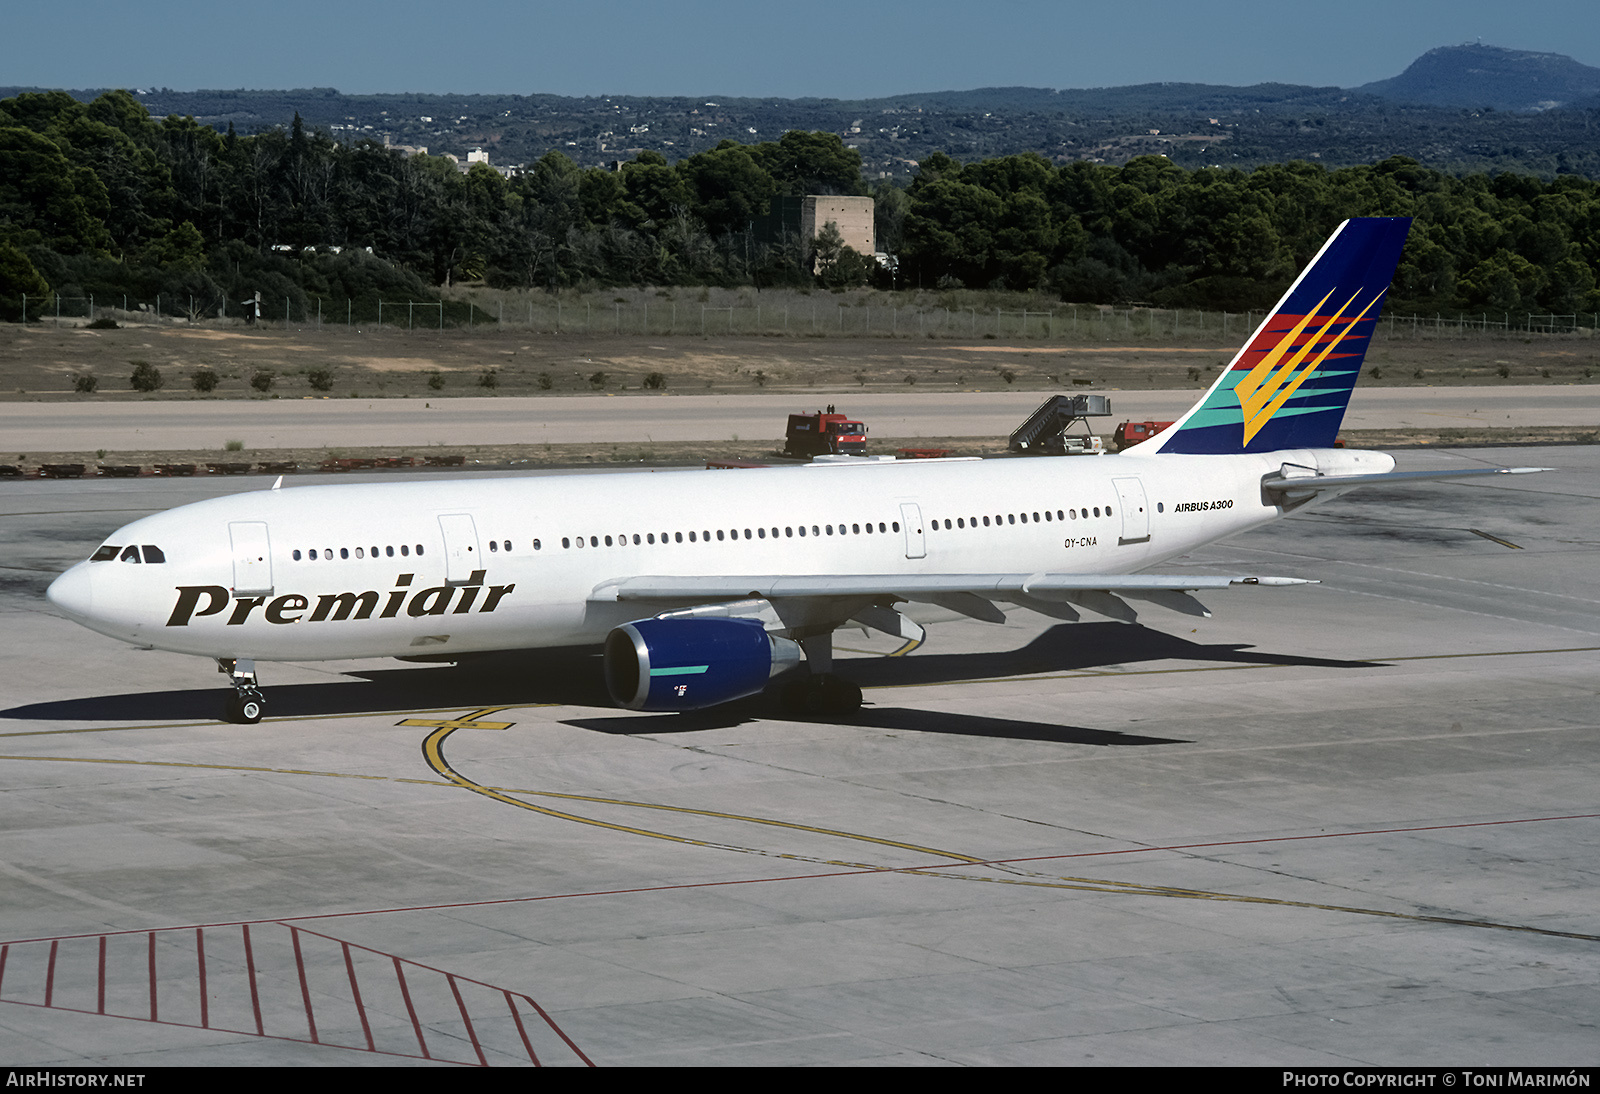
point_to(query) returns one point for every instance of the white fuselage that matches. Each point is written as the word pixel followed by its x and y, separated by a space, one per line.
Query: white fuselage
pixel 450 565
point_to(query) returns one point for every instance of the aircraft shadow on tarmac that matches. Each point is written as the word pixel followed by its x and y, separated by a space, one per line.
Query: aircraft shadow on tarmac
pixel 1066 648
pixel 869 716
pixel 574 678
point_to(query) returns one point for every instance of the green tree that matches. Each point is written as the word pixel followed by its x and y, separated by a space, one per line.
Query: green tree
pixel 1503 282
pixel 949 232
pixel 18 279
pixel 801 163
pixel 838 266
pixel 654 188
pixel 42 192
pixel 729 187
pixel 182 248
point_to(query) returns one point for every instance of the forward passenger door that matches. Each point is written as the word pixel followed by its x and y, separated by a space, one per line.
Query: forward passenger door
pixel 252 557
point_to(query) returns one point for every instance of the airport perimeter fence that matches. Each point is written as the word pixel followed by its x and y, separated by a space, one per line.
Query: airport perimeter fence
pixel 1064 323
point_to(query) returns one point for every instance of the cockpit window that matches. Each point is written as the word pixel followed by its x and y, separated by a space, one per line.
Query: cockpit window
pixel 152 553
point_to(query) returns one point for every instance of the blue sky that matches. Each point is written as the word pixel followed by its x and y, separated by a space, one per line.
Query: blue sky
pixel 824 48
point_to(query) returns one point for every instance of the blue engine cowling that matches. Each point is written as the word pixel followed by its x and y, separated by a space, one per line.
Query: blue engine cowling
pixel 687 664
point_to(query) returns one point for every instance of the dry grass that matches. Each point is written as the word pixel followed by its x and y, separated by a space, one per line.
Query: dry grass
pixel 696 453
pixel 41 361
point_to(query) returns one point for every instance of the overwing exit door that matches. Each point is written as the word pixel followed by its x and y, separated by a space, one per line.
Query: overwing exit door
pixel 461 554
pixel 916 537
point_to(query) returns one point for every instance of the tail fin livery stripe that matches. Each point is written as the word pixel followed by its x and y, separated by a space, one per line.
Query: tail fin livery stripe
pixel 1290 384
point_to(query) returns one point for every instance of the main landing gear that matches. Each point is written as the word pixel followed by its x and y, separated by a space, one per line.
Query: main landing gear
pixel 246 705
pixel 821 692
pixel 824 694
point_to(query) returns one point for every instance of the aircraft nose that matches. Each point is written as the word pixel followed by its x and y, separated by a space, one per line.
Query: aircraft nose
pixel 73 592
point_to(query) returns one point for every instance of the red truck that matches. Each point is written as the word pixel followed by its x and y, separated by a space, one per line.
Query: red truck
pixel 1129 434
pixel 825 433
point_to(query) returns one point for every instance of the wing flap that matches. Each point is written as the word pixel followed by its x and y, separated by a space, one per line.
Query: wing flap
pixel 970 605
pixel 715 587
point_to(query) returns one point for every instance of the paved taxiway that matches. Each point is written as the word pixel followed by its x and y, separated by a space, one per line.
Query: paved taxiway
pixel 142 425
pixel 1352 823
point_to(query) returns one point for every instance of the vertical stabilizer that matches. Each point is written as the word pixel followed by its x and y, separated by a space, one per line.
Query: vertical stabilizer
pixel 1290 384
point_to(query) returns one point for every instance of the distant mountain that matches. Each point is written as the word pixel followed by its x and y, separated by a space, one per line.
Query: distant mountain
pixel 1174 98
pixel 1480 76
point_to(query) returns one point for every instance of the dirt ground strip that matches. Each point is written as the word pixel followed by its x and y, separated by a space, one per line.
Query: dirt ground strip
pixel 690 453
pixel 44 361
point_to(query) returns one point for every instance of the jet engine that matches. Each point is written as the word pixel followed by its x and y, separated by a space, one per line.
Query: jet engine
pixel 687 664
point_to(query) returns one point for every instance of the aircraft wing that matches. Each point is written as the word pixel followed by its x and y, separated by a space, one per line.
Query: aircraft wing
pixel 1301 486
pixel 973 595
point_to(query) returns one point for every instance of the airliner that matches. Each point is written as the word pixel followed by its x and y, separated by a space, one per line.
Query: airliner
pixel 701 586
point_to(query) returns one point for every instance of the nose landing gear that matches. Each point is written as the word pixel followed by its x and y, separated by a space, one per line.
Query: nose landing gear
pixel 246 705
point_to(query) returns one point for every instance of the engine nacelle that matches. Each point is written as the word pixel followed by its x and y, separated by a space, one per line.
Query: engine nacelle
pixel 687 664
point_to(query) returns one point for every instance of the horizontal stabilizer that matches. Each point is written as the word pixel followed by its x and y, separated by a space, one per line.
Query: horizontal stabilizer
pixel 1304 486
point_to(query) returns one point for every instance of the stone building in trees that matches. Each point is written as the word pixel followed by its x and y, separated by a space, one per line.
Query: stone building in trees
pixel 804 217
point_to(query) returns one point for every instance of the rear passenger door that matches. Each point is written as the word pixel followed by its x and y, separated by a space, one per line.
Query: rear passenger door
pixel 1135 517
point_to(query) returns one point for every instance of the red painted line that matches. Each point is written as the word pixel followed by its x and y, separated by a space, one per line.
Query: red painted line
pixel 1278 839
pixel 250 968
pixel 355 992
pixel 200 952
pixel 467 1020
pixel 153 976
pixel 305 990
pixel 224 1029
pixel 559 1031
pixel 405 993
pixel 452 978
pixel 5 952
pixel 527 1044
pixel 102 992
pixel 50 975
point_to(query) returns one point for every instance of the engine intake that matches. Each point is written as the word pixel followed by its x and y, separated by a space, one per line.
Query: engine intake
pixel 687 664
